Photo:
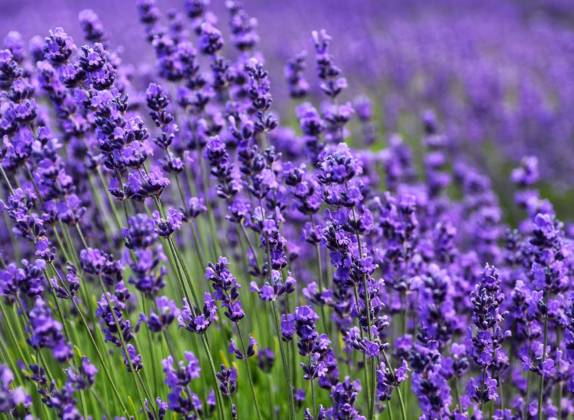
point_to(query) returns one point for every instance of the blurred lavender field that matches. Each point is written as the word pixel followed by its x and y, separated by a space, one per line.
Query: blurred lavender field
pixel 495 72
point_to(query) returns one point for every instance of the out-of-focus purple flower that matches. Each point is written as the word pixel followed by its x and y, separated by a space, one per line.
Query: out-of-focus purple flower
pixel 46 332
pixel 11 397
pixel 294 69
pixel 166 313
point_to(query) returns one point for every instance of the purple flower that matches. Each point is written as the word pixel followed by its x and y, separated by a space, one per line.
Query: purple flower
pixel 46 332
pixel 344 395
pixel 10 276
pixel 178 380
pixel 331 82
pixel 69 287
pixel 114 323
pixel 269 292
pixel 196 207
pixel 84 376
pixel 487 350
pixel 240 354
pixel 196 320
pixel 91 26
pixel 167 311
pixel 141 232
pixel 227 381
pixel 293 72
pixel 338 166
pixel 148 273
pixel 210 39
pixel 226 288
pixel 242 27
pixel 387 381
pixel 170 224
pixel 132 359
pixel 58 47
pixel 12 397
pixel 221 168
pixel 265 359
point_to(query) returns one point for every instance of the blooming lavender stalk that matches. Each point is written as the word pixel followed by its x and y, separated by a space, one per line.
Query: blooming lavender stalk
pixel 12 398
pixel 487 347
pixel 294 69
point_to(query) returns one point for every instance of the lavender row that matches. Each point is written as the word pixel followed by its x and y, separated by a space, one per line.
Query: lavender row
pixel 170 248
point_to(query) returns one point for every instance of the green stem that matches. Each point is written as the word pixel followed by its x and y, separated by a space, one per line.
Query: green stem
pixel 176 265
pixel 561 383
pixel 399 392
pixel 371 391
pixel 277 328
pixel 246 360
pixel 541 389
pixel 110 199
pixel 151 347
pixel 321 281
pixel 457 394
pixel 313 399
pixel 139 382
pixel 284 361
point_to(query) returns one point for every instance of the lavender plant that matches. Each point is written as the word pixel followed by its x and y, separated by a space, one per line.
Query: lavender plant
pixel 170 249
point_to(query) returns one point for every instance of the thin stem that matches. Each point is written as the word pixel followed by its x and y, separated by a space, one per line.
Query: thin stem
pixel 103 361
pixel 371 392
pixel 284 361
pixel 251 248
pixel 246 360
pixel 110 199
pixel 365 369
pixel 277 328
pixel 183 267
pixel 213 233
pixel 544 348
pixel 151 347
pixel 321 281
pixel 561 383
pixel 313 399
pixel 213 371
pixel 11 333
pixel 176 265
pixel 399 392
pixel 139 381
pixel 184 203
pixel 5 176
pixel 457 394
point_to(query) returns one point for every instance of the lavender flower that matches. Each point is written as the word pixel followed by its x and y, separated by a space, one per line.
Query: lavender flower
pixel 227 380
pixel 46 332
pixel 298 86
pixel 487 350
pixel 167 312
pixel 196 320
pixel 178 379
pixel 12 397
pixel 226 288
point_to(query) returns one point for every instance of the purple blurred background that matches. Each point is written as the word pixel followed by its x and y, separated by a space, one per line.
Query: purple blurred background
pixel 494 71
